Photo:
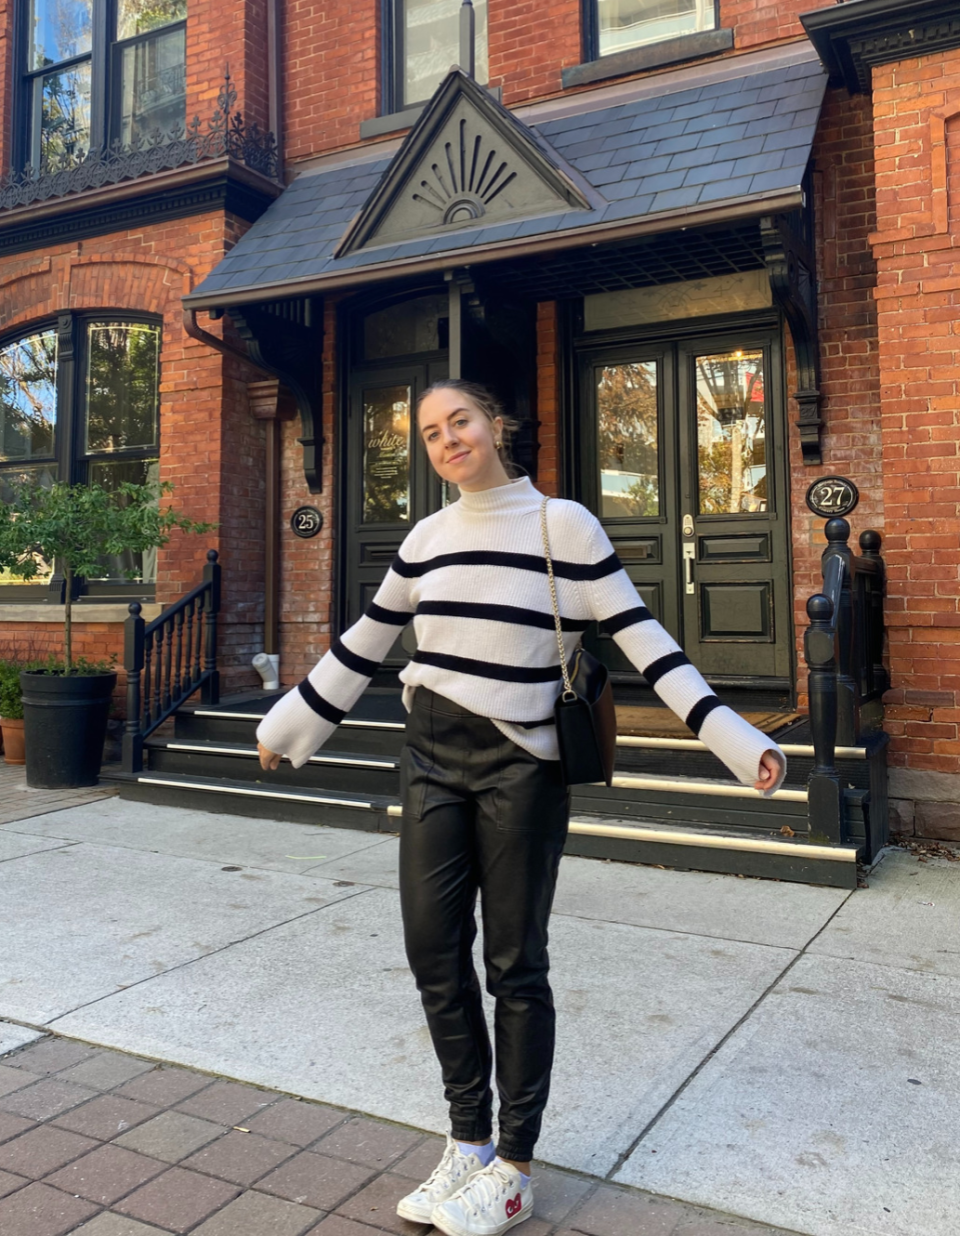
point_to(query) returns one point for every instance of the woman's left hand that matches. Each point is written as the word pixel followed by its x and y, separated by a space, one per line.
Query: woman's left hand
pixel 770 768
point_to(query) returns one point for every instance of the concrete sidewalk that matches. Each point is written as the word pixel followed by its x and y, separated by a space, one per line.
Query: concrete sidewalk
pixel 778 1052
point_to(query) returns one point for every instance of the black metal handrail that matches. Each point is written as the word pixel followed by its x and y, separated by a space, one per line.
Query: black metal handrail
pixel 843 649
pixel 175 655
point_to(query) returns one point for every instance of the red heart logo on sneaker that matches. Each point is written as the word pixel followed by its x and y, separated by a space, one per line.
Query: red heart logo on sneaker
pixel 513 1206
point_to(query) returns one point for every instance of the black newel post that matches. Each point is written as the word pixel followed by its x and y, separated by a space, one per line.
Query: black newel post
pixel 870 544
pixel 848 692
pixel 132 747
pixel 210 691
pixel 824 802
pixel 468 38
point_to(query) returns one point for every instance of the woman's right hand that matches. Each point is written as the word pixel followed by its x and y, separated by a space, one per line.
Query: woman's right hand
pixel 269 760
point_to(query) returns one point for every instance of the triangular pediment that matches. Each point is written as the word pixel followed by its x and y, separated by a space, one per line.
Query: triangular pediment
pixel 467 162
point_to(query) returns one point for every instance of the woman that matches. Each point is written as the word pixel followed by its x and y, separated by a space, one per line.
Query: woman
pixel 484 806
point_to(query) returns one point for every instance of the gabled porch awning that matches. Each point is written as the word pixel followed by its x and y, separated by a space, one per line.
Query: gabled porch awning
pixel 472 182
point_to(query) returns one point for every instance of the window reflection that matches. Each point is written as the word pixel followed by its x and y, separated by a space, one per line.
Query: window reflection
pixel 404 329
pixel 431 44
pixel 731 433
pixel 128 566
pixel 122 385
pixel 28 396
pixel 11 480
pixel 627 440
pixel 633 23
pixel 59 30
pixel 386 455
pixel 139 16
pixel 64 116
pixel 153 93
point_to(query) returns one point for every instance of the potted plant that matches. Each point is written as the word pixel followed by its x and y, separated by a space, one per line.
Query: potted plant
pixel 11 712
pixel 77 527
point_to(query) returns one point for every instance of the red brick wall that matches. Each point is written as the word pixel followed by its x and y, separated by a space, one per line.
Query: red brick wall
pixel 307 565
pixel 548 398
pixel 765 21
pixel 918 305
pixel 331 73
pixel 850 379
pixel 209 444
pixel 219 35
pixel 529 45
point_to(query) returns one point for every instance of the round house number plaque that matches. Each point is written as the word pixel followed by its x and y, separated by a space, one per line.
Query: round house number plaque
pixel 832 496
pixel 306 521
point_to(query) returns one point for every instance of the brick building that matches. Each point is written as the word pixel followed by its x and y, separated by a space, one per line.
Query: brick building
pixel 704 251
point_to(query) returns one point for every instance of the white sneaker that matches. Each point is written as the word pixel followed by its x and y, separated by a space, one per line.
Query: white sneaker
pixel 451 1173
pixel 489 1203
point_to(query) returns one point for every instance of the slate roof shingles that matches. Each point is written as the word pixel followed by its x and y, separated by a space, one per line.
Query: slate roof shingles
pixel 742 135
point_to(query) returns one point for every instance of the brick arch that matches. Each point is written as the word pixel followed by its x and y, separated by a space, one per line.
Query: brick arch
pixel 127 281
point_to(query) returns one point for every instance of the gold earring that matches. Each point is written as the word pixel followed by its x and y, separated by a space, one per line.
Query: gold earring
pixel 498 445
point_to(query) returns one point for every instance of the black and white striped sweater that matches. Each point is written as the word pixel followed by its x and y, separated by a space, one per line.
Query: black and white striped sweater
pixel 474 580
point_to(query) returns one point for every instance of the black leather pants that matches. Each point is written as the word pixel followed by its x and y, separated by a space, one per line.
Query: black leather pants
pixel 481 814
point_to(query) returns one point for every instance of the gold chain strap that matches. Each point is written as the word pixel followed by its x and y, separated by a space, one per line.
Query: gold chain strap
pixel 568 691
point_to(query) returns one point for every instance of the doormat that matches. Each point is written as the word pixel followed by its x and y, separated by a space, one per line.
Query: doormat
pixel 662 723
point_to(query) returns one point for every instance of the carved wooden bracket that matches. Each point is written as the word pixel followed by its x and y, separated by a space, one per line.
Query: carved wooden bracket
pixel 286 339
pixel 788 250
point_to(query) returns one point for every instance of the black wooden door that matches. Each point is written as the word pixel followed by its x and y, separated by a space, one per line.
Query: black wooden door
pixel 681 457
pixel 628 447
pixel 733 508
pixel 389 485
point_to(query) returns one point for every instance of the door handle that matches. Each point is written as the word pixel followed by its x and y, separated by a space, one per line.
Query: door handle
pixel 689 557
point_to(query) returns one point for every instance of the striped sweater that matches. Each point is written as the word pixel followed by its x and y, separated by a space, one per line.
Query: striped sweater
pixel 474 580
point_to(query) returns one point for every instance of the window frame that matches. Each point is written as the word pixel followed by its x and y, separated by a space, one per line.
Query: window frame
pixel 590 26
pixel 105 58
pixel 390 40
pixel 70 459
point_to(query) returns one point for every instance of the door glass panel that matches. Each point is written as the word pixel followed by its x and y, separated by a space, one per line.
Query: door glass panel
pixel 627 408
pixel 407 328
pixel 28 396
pixel 431 44
pixel 386 454
pixel 731 433
pixel 64 116
pixel 59 30
pixel 122 385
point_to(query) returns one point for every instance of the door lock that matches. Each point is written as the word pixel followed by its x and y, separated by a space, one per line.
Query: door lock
pixel 689 557
pixel 688 525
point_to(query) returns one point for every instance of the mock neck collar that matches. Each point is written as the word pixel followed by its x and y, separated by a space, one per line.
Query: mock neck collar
pixel 519 495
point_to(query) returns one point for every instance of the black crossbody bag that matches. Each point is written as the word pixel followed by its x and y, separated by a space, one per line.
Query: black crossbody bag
pixel 584 712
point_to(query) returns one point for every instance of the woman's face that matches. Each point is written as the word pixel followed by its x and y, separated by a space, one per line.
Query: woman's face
pixel 461 440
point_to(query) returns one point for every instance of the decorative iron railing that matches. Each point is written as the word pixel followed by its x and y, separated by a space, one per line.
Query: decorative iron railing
pixel 168 659
pixel 843 648
pixel 225 134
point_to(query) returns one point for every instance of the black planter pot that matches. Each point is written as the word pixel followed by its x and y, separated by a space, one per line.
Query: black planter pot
pixel 64 725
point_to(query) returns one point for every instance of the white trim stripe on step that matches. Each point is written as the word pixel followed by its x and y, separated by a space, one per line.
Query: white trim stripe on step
pixel 694 744
pixel 250 752
pixel 256 792
pixel 714 789
pixel 719 841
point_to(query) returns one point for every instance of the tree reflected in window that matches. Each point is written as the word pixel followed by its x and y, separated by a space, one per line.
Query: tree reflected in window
pixel 627 415
pixel 731 433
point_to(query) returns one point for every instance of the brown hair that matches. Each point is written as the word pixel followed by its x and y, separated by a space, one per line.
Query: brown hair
pixel 489 405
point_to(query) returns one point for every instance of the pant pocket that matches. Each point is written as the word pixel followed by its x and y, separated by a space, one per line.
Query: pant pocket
pixel 415 771
pixel 532 798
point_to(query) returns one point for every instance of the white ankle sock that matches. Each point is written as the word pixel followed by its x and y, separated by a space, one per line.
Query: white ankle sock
pixel 524 1178
pixel 484 1153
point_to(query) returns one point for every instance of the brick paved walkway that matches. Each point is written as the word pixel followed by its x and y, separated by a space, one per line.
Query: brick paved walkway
pixel 105 1144
pixel 18 801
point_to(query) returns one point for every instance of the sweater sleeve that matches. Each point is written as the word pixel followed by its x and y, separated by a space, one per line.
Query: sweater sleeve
pixel 614 603
pixel 302 721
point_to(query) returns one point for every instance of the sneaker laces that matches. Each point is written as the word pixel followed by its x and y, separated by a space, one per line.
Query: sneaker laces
pixel 443 1168
pixel 486 1187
